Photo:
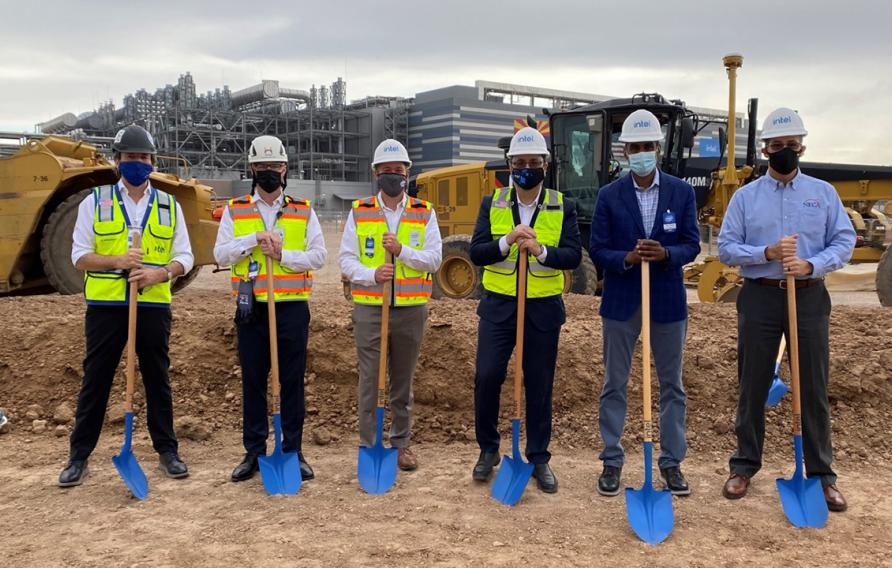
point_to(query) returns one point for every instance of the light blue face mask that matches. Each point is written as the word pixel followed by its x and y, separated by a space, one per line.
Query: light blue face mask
pixel 643 163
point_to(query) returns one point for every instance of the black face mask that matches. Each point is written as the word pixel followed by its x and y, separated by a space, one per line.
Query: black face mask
pixel 268 180
pixel 528 178
pixel 392 184
pixel 783 161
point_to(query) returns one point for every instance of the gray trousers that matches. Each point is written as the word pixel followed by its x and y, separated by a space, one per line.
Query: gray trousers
pixel 406 328
pixel 667 342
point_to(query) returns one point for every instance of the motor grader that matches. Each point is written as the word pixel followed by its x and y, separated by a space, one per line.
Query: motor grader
pixel 41 186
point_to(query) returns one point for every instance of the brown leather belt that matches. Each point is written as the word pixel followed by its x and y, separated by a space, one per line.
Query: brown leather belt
pixel 774 283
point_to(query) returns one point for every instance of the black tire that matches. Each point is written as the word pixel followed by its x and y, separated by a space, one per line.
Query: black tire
pixel 55 246
pixel 185 280
pixel 884 279
pixel 458 277
pixel 583 279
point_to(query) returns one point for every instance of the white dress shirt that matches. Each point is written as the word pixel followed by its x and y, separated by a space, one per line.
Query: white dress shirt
pixel 84 240
pixel 229 249
pixel 425 260
pixel 526 215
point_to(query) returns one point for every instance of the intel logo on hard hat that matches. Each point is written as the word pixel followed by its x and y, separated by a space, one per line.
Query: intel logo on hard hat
pixel 391 149
pixel 642 124
pixel 525 138
pixel 781 120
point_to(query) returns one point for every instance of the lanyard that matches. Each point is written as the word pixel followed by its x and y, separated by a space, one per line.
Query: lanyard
pixel 149 208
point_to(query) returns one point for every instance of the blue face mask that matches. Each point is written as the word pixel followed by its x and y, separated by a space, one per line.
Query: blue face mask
pixel 643 163
pixel 528 178
pixel 136 173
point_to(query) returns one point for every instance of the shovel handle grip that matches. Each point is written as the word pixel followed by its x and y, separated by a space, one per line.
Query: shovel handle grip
pixel 385 325
pixel 793 334
pixel 273 330
pixel 131 333
pixel 518 339
pixel 645 349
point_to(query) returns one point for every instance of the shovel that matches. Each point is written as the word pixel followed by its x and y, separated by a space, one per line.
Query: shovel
pixel 514 473
pixel 125 462
pixel 778 386
pixel 280 471
pixel 802 499
pixel 376 467
pixel 649 511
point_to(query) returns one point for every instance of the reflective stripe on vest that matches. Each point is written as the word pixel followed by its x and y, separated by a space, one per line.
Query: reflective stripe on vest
pixel 112 239
pixel 292 221
pixel 410 286
pixel 542 281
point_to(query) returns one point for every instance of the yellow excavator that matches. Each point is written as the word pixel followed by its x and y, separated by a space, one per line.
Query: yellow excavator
pixel 41 186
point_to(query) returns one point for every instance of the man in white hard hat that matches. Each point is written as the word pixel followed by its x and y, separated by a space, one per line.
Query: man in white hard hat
pixel 524 218
pixel 780 224
pixel 269 223
pixel 390 222
pixel 103 249
pixel 647 215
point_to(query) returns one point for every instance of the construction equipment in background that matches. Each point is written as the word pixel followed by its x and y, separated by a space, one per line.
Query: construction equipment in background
pixel 41 187
pixel 587 155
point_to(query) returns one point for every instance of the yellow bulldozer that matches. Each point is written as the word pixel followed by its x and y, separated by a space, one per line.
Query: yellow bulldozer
pixel 41 186
pixel 585 156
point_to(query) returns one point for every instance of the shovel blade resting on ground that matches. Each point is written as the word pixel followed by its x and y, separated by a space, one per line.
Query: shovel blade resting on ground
pixel 376 467
pixel 802 498
pixel 280 471
pixel 649 511
pixel 127 465
pixel 514 473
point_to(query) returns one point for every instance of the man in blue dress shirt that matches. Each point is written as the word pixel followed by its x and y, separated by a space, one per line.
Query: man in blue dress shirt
pixel 784 223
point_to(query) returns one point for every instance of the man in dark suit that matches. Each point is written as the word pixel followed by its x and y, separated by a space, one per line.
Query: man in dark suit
pixel 524 218
pixel 645 215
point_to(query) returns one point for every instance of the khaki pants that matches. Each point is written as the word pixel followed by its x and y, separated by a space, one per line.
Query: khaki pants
pixel 405 331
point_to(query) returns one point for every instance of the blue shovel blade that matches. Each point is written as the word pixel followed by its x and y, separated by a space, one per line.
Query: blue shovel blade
pixel 514 473
pixel 280 471
pixel 376 466
pixel 649 511
pixel 802 498
pixel 128 468
pixel 776 392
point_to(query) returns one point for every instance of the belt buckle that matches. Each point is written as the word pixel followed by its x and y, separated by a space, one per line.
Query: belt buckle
pixel 782 284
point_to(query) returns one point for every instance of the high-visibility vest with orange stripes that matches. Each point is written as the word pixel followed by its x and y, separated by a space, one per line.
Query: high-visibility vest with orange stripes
pixel 292 225
pixel 410 287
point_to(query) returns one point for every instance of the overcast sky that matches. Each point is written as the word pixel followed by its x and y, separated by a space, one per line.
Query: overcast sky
pixel 832 61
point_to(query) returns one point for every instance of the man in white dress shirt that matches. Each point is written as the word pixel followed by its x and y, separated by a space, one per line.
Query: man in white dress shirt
pixel 103 249
pixel 269 223
pixel 406 228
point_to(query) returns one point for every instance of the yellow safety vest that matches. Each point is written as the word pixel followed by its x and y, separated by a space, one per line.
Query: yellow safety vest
pixel 110 224
pixel 410 287
pixel 292 223
pixel 542 281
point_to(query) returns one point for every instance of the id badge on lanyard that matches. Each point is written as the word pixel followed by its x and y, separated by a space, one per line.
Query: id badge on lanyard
pixel 669 225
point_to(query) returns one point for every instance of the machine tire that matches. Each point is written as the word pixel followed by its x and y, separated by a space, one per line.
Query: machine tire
pixel 55 246
pixel 884 278
pixel 583 279
pixel 458 277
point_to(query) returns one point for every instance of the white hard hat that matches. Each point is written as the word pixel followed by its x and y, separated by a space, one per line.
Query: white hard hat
pixel 641 126
pixel 783 122
pixel 267 149
pixel 526 141
pixel 391 150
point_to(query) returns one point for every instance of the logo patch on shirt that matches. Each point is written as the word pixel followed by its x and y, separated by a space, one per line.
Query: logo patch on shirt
pixel 812 203
pixel 106 203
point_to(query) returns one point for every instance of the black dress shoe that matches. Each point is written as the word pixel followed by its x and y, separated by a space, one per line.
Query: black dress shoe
pixel 172 466
pixel 246 469
pixel 484 465
pixel 545 478
pixel 73 474
pixel 675 481
pixel 608 483
pixel 306 472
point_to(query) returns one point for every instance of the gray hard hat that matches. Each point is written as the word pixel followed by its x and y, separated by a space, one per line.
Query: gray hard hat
pixel 135 139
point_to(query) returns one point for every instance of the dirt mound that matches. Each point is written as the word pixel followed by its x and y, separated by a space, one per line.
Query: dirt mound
pixel 41 352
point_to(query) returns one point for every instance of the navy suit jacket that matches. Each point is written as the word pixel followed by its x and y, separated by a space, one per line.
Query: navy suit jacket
pixel 616 227
pixel 543 313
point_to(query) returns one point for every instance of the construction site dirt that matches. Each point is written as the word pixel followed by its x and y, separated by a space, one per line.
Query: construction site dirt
pixel 437 514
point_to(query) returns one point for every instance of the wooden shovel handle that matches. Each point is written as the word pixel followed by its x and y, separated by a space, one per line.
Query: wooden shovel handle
pixel 131 333
pixel 385 325
pixel 645 349
pixel 781 349
pixel 794 353
pixel 518 339
pixel 273 332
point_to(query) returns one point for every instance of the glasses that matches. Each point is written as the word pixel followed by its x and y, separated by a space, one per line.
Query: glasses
pixel 635 147
pixel 269 166
pixel 778 146
pixel 534 163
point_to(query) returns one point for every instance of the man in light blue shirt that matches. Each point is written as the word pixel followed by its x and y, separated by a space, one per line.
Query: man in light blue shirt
pixel 784 223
